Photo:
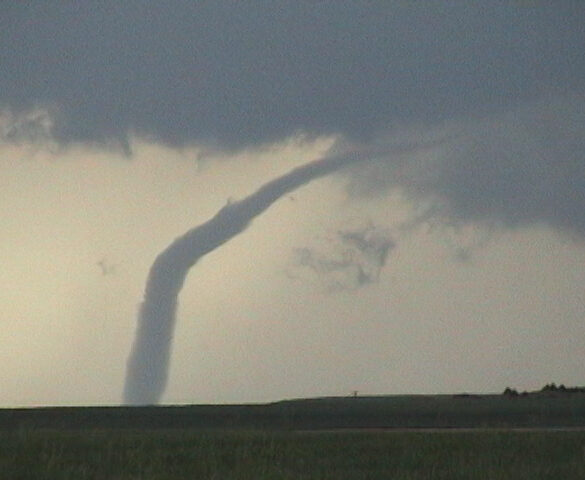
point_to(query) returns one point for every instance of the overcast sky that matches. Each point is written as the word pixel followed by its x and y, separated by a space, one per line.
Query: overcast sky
pixel 452 259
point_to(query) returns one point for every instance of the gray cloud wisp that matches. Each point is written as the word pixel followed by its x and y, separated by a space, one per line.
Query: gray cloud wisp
pixel 358 258
pixel 148 364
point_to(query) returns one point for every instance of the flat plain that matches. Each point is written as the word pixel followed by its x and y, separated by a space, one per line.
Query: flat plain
pixel 396 437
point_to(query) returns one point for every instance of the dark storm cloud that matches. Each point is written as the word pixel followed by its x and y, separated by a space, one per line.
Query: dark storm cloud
pixel 524 167
pixel 235 74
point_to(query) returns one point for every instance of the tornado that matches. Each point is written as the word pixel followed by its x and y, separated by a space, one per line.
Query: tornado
pixel 148 363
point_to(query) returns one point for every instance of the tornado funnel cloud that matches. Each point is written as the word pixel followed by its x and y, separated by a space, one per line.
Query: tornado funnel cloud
pixel 148 363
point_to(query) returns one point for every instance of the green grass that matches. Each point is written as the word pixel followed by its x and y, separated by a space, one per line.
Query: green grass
pixel 289 440
pixel 239 455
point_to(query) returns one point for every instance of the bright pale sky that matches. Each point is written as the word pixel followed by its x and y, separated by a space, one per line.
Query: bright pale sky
pixel 451 259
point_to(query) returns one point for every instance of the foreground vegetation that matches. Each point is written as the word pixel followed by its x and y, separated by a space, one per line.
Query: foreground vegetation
pixel 230 455
pixel 534 435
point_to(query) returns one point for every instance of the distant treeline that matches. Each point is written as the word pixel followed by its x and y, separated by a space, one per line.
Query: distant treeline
pixel 548 388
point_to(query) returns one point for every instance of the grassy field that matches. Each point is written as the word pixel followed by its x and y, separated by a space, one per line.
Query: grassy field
pixel 228 455
pixel 539 436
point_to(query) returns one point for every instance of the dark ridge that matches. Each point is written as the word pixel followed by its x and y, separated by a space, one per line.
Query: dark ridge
pixel 400 411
